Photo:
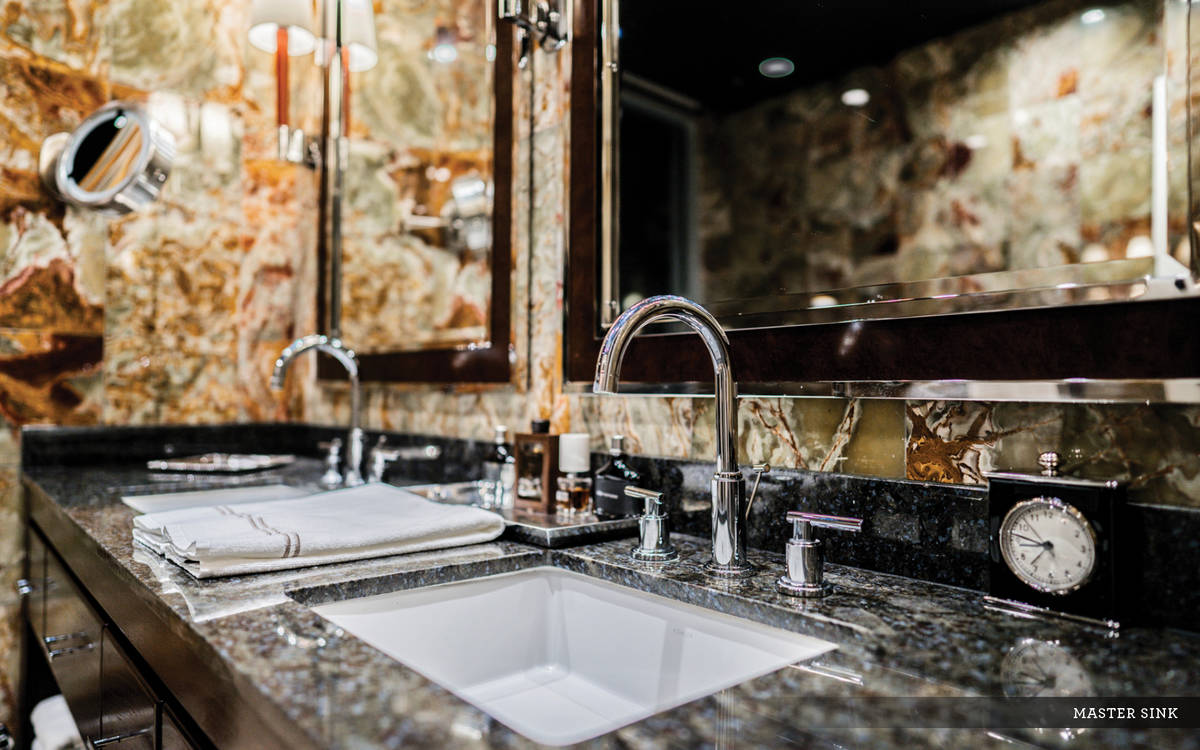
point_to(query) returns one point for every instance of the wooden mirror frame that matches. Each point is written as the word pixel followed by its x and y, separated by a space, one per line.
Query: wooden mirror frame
pixel 1116 341
pixel 487 362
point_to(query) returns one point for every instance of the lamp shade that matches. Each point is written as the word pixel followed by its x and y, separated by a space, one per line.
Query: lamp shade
pixel 358 33
pixel 266 16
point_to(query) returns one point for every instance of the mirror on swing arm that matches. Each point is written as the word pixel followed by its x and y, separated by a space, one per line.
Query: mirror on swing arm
pixel 114 163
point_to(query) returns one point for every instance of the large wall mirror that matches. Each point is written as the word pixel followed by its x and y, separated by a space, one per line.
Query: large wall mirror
pixel 822 175
pixel 416 259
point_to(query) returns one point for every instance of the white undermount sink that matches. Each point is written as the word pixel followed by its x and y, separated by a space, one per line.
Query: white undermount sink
pixel 562 657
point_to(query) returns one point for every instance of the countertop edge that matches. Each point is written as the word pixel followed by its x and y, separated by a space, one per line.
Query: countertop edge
pixel 226 705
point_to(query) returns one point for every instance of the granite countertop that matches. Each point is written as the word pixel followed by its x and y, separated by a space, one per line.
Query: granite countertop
pixel 897 637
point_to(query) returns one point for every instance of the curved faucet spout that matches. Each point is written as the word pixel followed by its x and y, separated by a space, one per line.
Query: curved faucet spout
pixel 333 347
pixel 728 484
pixel 344 356
pixel 691 314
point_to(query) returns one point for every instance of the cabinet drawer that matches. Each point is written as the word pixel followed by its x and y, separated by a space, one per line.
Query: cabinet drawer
pixel 71 637
pixel 128 709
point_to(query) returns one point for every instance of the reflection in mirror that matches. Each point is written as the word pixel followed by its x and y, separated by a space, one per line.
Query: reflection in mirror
pixel 794 162
pixel 417 230
pixel 115 162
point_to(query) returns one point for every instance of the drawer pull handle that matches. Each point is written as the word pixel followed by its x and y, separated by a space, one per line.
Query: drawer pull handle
pixel 102 741
pixel 65 637
pixel 56 653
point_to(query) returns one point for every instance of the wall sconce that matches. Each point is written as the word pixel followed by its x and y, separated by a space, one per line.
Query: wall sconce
pixel 283 28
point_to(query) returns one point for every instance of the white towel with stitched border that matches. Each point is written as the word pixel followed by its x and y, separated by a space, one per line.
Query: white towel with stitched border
pixel 373 520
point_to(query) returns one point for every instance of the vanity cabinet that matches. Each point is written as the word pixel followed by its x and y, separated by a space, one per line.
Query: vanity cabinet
pixel 110 697
pixel 71 641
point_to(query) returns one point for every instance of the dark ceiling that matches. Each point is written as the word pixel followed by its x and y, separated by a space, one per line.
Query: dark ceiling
pixel 710 51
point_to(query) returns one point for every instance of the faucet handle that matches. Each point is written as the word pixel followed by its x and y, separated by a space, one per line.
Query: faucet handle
pixel 380 458
pixel 333 460
pixel 654 538
pixel 759 470
pixel 652 501
pixel 803 522
pixel 805 562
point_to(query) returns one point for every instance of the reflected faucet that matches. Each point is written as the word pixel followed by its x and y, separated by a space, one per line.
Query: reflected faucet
pixel 337 350
pixel 728 484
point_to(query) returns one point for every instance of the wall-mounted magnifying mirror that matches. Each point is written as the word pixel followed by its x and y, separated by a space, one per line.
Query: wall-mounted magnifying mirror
pixel 115 162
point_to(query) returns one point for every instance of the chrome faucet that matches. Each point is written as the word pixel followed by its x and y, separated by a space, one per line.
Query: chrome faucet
pixel 728 484
pixel 336 349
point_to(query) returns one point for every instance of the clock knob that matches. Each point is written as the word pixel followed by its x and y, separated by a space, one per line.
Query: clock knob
pixel 1049 462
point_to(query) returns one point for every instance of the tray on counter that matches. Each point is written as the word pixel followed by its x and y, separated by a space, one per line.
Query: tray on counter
pixel 221 463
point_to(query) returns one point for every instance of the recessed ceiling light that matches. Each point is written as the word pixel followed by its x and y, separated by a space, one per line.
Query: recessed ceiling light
pixel 1094 15
pixel 855 97
pixel 776 67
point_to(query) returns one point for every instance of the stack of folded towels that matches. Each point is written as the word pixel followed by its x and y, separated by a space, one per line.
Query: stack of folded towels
pixel 373 520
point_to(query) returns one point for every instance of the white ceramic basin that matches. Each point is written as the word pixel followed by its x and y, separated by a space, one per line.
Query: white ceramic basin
pixel 561 657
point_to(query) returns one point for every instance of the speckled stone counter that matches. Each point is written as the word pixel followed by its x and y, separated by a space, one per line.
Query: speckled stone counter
pixel 257 648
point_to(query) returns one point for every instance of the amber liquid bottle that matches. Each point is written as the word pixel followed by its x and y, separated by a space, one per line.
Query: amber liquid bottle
pixel 574 496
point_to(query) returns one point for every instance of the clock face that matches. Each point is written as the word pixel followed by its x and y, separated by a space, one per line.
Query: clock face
pixel 1049 545
pixel 1043 669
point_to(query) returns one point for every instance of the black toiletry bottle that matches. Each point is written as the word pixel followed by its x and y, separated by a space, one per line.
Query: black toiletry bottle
pixel 499 472
pixel 608 489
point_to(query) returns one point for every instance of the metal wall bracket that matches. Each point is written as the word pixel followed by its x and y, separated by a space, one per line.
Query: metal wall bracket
pixel 297 147
pixel 547 21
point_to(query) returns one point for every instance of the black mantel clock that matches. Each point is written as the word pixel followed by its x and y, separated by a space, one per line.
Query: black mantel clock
pixel 1055 544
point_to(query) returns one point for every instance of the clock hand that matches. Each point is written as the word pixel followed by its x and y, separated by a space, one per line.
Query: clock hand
pixel 1026 538
pixel 1035 558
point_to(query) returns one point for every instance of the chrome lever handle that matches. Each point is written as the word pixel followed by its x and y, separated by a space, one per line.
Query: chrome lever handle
pixel 759 470
pixel 654 537
pixel 24 587
pixel 802 523
pixel 805 561
pixel 652 501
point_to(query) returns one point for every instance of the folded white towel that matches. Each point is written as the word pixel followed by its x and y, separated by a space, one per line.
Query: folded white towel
pixel 54 725
pixel 373 520
pixel 164 501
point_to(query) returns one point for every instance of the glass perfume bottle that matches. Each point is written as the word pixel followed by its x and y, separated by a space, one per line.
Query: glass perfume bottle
pixel 531 459
pixel 499 472
pixel 574 497
pixel 611 480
